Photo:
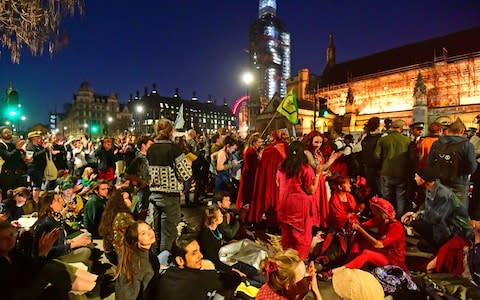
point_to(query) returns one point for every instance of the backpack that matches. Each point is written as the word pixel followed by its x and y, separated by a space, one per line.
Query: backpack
pixel 446 161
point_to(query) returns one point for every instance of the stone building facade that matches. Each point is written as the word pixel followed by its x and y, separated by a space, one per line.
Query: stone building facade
pixel 417 82
pixel 94 114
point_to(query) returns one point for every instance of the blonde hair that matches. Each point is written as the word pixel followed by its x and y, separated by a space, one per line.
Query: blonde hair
pixel 283 274
pixel 87 172
pixel 164 129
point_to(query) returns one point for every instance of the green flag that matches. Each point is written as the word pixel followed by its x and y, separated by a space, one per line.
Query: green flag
pixel 289 108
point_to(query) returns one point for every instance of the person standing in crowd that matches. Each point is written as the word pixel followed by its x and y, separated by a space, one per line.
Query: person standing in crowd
pixel 286 277
pixel 425 144
pixel 137 266
pixel 13 171
pixel 200 173
pixel 265 193
pixel 467 161
pixel 474 206
pixel 443 215
pixel 251 160
pixel 36 161
pixel 416 136
pixel 59 152
pixel 79 156
pixel 168 169
pixel 370 164
pixel 225 163
pixel 106 160
pixel 313 141
pixel 392 150
pixel 94 207
pixel 138 173
pixel 297 183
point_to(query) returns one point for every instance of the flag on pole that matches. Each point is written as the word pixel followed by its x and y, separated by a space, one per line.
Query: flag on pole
pixel 289 108
pixel 179 121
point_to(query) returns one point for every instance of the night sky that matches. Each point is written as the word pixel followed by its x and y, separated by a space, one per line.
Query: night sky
pixel 123 46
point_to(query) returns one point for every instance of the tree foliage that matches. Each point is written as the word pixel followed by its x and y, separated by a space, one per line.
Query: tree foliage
pixel 34 24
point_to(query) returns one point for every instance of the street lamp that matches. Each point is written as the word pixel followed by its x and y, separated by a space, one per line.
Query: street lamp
pixel 139 109
pixel 247 78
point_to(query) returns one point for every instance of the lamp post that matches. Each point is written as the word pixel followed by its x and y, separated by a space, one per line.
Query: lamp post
pixel 247 78
pixel 109 121
pixel 139 109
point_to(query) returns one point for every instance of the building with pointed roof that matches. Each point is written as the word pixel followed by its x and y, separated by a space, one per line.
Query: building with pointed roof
pixel 421 81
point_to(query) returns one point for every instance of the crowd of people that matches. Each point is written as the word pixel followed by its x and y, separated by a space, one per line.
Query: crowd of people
pixel 342 204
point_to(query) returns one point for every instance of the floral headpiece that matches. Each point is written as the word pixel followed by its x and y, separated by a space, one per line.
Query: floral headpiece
pixel 383 205
pixel 271 266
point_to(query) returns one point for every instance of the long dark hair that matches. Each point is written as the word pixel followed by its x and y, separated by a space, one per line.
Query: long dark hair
pixel 115 205
pixel 308 140
pixel 294 160
pixel 129 259
pixel 46 199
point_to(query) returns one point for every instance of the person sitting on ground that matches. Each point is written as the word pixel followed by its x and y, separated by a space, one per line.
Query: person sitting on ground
pixel 116 218
pixel 17 203
pixel 50 217
pixel 24 277
pixel 137 265
pixel 443 215
pixel 286 277
pixel 386 247
pixel 74 202
pixel 229 227
pixel 355 284
pixel 211 239
pixel 187 278
pixel 93 210
pixel 452 257
pixel 343 208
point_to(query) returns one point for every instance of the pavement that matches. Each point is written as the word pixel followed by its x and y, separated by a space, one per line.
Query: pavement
pixel 193 216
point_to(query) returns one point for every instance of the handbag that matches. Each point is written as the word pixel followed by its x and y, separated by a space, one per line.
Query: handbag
pixel 51 172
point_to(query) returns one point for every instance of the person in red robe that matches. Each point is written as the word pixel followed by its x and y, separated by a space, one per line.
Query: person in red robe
pixel 251 160
pixel 297 182
pixel 265 192
pixel 313 141
pixel 343 207
pixel 387 247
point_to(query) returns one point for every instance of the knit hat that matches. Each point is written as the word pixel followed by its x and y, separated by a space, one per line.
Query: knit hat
pixel 427 174
pixel 383 205
pixel 355 284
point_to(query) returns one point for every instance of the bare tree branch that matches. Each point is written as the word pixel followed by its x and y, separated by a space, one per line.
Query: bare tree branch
pixel 34 23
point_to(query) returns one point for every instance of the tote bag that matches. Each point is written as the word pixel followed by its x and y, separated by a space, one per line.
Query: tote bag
pixel 51 172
